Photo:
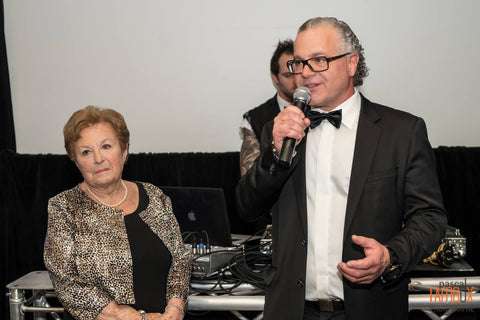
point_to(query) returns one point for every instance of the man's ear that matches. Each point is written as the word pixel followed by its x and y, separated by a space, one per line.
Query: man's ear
pixel 352 64
pixel 274 80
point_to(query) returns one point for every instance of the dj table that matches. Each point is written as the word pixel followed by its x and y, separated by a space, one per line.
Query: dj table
pixel 31 293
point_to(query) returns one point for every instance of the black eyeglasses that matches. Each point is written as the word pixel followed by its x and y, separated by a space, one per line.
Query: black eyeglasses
pixel 316 64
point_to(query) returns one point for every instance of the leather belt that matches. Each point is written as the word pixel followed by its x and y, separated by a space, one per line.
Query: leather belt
pixel 326 305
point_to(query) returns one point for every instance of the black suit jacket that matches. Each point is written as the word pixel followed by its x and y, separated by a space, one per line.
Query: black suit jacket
pixel 394 197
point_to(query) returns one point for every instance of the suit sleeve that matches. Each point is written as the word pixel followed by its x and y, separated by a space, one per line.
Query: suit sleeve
pixel 425 218
pixel 258 190
pixel 84 300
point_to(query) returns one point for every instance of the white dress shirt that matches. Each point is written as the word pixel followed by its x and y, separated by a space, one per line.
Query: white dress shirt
pixel 329 157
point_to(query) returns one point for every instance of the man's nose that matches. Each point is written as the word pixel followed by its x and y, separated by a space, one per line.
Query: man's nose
pixel 307 70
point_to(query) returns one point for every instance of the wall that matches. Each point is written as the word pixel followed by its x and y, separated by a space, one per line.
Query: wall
pixel 183 72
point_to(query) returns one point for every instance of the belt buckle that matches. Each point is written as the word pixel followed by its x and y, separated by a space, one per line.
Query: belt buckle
pixel 326 305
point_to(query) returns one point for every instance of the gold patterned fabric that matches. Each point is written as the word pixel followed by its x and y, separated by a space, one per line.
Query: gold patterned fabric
pixel 88 255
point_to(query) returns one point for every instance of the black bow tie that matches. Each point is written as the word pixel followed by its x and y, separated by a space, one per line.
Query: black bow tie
pixel 334 117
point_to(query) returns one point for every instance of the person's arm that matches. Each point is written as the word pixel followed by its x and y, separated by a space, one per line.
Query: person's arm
pixel 175 309
pixel 424 218
pixel 114 311
pixel 81 298
pixel 424 214
pixel 258 190
pixel 249 151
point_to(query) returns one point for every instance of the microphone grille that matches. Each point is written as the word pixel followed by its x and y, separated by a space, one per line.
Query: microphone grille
pixel 302 93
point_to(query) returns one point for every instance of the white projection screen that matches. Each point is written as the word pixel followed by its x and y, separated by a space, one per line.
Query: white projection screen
pixel 183 72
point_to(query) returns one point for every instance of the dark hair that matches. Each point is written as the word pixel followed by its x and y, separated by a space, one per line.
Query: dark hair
pixel 282 47
pixel 90 116
pixel 350 42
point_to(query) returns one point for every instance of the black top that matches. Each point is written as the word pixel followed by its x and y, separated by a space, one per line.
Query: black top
pixel 151 260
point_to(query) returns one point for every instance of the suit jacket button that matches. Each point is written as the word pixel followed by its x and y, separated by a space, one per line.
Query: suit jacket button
pixel 304 243
pixel 300 283
pixel 272 168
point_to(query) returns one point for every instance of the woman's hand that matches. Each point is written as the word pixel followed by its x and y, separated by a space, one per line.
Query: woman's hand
pixel 154 316
pixel 114 311
pixel 174 310
pixel 171 314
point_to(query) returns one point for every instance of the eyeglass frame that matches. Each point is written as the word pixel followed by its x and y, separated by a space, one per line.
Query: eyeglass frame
pixel 305 62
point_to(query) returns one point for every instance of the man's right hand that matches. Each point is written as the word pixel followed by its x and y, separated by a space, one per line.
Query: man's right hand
pixel 290 123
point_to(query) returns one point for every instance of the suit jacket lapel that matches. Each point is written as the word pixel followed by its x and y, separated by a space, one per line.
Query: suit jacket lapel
pixel 299 183
pixel 368 134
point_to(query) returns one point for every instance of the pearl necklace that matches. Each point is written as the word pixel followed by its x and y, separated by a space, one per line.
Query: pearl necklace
pixel 106 204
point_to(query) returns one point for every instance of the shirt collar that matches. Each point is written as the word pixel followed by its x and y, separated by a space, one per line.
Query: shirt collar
pixel 282 103
pixel 350 109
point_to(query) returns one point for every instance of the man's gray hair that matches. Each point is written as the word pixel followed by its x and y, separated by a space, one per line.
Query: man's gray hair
pixel 349 43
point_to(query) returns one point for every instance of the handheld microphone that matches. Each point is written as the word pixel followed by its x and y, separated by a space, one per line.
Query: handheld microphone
pixel 301 98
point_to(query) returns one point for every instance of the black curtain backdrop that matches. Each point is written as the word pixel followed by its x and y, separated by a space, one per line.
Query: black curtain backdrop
pixel 7 130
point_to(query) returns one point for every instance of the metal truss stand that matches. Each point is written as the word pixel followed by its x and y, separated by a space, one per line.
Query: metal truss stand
pixel 426 294
pixel 446 295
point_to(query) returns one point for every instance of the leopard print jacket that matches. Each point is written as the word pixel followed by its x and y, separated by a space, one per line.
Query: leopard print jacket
pixel 88 256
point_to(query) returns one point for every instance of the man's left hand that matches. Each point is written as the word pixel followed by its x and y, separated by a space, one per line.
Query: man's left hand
pixel 368 269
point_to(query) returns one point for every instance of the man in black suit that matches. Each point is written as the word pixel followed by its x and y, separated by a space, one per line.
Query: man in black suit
pixel 256 118
pixel 360 204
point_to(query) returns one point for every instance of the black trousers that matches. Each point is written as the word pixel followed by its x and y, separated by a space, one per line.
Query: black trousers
pixel 311 313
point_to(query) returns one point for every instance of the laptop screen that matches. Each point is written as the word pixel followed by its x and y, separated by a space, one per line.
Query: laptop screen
pixel 199 210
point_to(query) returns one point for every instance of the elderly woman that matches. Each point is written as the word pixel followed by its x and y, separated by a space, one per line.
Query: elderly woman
pixel 113 247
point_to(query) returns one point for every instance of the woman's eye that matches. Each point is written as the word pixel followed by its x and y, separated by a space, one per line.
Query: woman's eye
pixel 85 152
pixel 106 146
